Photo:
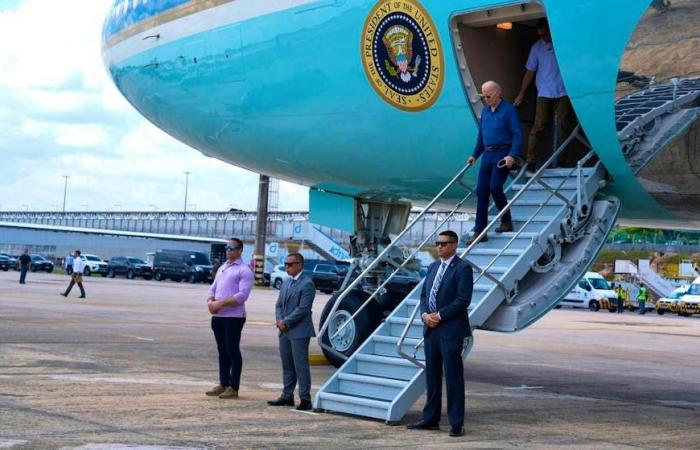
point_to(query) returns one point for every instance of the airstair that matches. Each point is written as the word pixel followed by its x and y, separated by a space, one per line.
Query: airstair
pixel 559 228
pixel 311 236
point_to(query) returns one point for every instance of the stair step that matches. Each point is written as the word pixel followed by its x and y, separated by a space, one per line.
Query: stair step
pixel 568 186
pixel 524 218
pixel 386 346
pixel 495 270
pixel 565 172
pixel 385 366
pixel 378 388
pixel 351 404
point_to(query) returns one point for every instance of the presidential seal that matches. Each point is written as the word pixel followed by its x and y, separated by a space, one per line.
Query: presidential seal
pixel 402 54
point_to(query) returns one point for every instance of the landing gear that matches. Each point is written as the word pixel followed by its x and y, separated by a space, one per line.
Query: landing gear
pixel 354 334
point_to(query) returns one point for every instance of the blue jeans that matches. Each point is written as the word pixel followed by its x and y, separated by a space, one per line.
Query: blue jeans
pixel 22 274
pixel 491 180
pixel 642 309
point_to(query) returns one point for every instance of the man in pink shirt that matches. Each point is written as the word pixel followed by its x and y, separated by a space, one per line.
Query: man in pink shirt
pixel 226 302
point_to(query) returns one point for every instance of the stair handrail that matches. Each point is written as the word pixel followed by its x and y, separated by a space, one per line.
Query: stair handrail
pixel 538 174
pixel 457 178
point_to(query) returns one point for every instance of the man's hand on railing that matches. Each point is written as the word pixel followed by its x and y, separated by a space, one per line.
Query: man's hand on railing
pixel 471 161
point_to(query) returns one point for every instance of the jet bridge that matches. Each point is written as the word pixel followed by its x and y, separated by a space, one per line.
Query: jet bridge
pixel 560 225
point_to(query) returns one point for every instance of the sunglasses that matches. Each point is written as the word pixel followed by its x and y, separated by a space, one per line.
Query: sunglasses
pixel 444 243
pixel 290 264
pixel 486 96
pixel 232 248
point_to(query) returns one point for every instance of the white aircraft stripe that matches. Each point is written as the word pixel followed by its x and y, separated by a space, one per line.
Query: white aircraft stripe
pixel 218 16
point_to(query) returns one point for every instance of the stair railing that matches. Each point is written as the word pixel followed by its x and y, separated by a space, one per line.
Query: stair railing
pixel 394 243
pixel 483 272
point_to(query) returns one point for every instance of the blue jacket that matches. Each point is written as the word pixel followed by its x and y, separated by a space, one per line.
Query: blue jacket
pixel 452 300
pixel 294 304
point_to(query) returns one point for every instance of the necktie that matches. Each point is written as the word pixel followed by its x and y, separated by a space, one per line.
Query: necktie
pixel 436 286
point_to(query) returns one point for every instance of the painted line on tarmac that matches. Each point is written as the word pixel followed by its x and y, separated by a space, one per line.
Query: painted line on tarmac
pixel 9 443
pixel 310 413
pixel 138 337
pixel 260 323
pixel 281 386
pixel 122 380
pixel 523 387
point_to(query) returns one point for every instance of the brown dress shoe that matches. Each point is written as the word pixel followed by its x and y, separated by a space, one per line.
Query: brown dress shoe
pixel 229 393
pixel 504 227
pixel 215 391
pixel 476 235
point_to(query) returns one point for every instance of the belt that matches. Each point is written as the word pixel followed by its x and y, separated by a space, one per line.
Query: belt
pixel 491 148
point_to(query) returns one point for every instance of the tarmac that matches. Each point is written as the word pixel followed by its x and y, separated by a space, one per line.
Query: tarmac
pixel 128 366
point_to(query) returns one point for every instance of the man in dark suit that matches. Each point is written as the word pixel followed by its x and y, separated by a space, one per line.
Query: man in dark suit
pixel 445 296
pixel 293 314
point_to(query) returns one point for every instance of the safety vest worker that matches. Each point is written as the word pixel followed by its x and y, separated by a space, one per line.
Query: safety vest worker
pixel 642 297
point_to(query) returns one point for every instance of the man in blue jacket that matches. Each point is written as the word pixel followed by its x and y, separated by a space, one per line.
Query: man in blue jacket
pixel 444 299
pixel 500 141
pixel 293 314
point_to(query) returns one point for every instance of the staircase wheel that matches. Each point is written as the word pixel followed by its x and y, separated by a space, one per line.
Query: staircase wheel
pixel 352 336
pixel 550 258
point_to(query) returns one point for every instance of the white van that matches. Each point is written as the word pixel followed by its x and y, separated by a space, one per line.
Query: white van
pixel 690 303
pixel 592 292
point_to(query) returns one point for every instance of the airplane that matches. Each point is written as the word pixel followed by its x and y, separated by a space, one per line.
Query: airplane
pixel 374 105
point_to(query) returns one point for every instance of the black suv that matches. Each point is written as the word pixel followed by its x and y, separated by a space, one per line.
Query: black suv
pixel 181 265
pixel 5 263
pixel 41 263
pixel 130 267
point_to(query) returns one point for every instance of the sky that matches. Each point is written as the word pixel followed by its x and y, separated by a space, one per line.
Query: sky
pixel 61 115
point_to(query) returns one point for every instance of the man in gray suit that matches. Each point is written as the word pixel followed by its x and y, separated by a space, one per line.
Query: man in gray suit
pixel 293 314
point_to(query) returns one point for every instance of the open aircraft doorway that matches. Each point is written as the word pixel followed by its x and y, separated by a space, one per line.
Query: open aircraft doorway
pixel 494 44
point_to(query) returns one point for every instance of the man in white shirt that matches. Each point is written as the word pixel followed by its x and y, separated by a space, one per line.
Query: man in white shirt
pixel 76 276
pixel 552 99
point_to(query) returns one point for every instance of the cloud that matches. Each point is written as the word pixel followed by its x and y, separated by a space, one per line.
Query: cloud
pixel 61 115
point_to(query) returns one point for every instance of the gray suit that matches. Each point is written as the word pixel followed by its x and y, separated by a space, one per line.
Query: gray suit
pixel 294 309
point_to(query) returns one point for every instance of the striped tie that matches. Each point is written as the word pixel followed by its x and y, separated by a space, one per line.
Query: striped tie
pixel 436 286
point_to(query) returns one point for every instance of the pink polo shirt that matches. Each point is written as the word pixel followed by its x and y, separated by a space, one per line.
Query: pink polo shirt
pixel 233 279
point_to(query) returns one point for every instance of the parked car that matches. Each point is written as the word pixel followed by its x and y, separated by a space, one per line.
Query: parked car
pixel 327 277
pixel 93 264
pixel 5 263
pixel 181 265
pixel 130 267
pixel 670 302
pixel 277 276
pixel 11 259
pixel 39 263
pixel 689 304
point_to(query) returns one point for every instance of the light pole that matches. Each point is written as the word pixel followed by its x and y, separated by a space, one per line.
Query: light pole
pixel 65 190
pixel 187 186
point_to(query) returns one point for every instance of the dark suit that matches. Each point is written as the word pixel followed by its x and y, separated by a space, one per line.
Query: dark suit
pixel 294 309
pixel 444 343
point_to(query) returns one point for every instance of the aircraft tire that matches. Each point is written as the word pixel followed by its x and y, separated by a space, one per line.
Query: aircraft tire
pixel 364 324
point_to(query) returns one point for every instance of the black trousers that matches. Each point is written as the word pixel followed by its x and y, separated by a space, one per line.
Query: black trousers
pixel 72 283
pixel 441 352
pixel 227 332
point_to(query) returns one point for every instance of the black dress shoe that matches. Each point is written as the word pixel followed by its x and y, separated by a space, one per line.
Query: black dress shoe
pixel 64 294
pixel 423 425
pixel 281 402
pixel 82 296
pixel 305 405
pixel 456 431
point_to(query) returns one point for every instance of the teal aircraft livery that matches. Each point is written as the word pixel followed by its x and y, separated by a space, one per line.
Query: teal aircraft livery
pixel 379 100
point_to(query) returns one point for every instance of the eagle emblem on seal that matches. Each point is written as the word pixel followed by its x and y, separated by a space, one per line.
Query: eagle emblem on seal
pixel 398 41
